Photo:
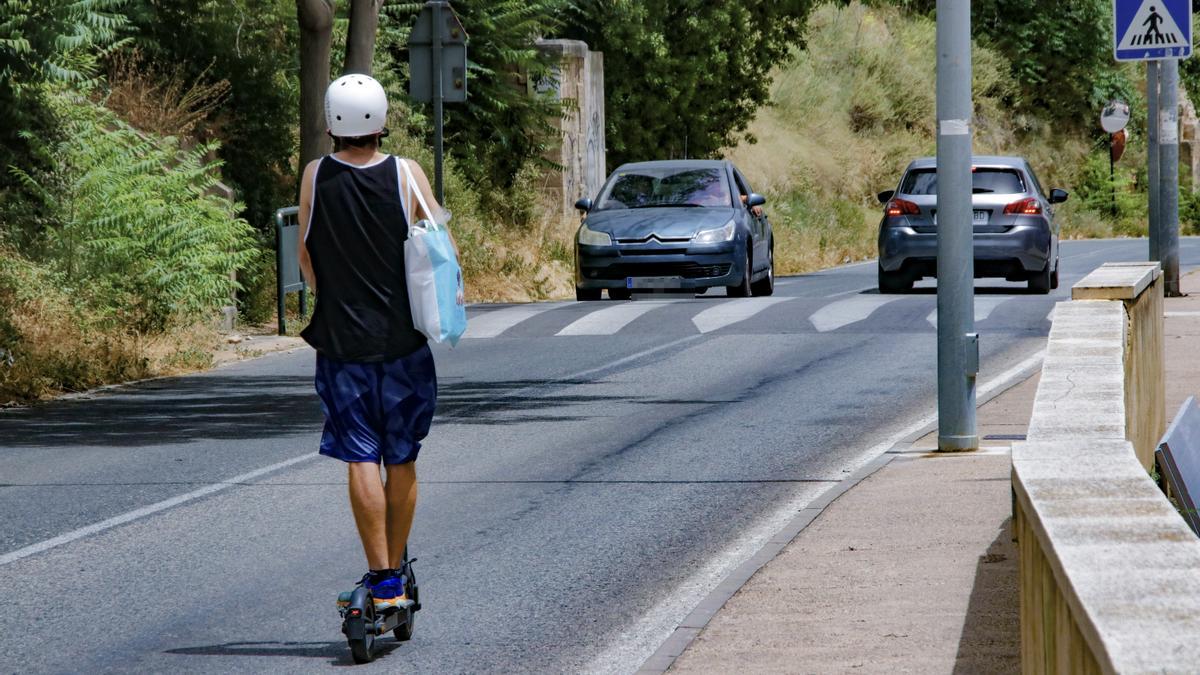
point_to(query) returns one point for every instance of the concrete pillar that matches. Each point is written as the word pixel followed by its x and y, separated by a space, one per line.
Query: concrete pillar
pixel 581 154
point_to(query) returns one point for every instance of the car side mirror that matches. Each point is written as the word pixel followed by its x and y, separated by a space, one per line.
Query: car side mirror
pixel 885 196
pixel 1058 196
pixel 584 204
pixel 755 199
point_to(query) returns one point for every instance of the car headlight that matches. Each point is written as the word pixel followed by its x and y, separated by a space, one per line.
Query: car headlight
pixel 723 233
pixel 589 237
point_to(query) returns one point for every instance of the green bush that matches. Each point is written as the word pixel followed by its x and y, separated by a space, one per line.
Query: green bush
pixel 138 225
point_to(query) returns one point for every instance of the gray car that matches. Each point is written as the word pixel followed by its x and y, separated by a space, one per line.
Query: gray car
pixel 1016 237
pixel 682 225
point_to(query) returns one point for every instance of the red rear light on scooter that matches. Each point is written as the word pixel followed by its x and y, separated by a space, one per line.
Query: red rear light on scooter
pixel 1025 207
pixel 902 207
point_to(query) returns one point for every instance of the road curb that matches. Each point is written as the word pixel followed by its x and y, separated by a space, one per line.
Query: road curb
pixel 690 628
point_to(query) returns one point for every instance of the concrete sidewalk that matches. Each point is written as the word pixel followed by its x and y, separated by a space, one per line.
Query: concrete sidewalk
pixel 914 569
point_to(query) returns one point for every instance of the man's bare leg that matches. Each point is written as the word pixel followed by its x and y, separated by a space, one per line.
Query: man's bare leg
pixel 371 513
pixel 401 503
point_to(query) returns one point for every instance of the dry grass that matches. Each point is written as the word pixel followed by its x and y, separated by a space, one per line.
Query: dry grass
pixel 163 103
pixel 51 343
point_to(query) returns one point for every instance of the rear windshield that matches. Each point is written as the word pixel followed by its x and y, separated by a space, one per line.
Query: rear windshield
pixel 983 181
pixel 647 188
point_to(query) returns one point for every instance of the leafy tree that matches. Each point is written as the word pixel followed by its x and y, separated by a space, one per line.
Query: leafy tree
pixel 44 41
pixel 1061 53
pixel 54 40
pixel 504 123
pixel 685 77
pixel 250 44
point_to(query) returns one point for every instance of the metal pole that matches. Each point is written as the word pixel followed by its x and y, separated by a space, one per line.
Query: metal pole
pixel 1152 159
pixel 1112 173
pixel 1168 138
pixel 958 354
pixel 436 62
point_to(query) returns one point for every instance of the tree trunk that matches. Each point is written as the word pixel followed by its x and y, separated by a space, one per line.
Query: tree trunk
pixel 360 43
pixel 316 31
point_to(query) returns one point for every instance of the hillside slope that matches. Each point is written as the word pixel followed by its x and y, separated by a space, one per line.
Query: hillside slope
pixel 854 107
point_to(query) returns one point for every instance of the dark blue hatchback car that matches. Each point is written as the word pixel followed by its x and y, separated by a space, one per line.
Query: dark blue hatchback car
pixel 681 225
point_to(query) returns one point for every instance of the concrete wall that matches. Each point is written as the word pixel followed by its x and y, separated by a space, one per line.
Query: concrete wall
pixel 582 153
pixel 1108 569
pixel 1138 286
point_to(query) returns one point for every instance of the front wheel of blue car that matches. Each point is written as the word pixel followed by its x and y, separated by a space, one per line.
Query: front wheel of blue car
pixel 766 285
pixel 742 290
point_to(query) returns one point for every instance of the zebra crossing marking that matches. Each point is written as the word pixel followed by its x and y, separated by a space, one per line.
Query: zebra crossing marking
pixel 731 312
pixel 609 320
pixel 493 323
pixel 851 310
pixel 984 305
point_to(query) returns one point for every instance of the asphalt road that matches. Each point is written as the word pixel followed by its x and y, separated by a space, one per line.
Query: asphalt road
pixel 594 470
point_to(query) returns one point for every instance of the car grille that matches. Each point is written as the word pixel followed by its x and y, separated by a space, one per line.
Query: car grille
pixel 687 270
pixel 654 237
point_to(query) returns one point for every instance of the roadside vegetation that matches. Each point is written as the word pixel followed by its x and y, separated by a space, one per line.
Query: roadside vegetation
pixel 124 125
pixel 849 112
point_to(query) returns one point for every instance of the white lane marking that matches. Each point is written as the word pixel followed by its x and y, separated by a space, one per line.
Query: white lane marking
pixel 490 324
pixel 136 514
pixel 731 312
pixel 609 320
pixel 632 647
pixel 96 528
pixel 1180 314
pixel 984 305
pixel 848 311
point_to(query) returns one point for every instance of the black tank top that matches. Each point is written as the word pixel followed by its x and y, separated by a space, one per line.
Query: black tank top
pixel 356 235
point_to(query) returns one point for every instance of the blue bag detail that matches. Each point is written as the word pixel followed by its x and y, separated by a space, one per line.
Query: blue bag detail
pixel 447 274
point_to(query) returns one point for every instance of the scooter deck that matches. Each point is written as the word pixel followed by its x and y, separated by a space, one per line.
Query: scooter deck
pixel 386 619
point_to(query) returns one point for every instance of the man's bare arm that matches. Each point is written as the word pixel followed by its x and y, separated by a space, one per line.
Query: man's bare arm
pixel 306 187
pixel 439 212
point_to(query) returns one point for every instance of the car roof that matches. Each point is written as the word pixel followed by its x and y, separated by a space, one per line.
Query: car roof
pixel 976 160
pixel 676 164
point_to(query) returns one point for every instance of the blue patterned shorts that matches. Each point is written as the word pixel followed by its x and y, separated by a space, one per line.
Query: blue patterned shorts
pixel 377 411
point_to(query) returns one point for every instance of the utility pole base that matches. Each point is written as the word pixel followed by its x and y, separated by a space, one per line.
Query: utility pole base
pixel 958 443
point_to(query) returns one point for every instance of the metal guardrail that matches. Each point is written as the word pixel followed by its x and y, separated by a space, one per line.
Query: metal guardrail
pixel 288 278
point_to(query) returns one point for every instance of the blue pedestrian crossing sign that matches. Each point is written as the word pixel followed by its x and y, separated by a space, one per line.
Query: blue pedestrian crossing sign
pixel 1152 30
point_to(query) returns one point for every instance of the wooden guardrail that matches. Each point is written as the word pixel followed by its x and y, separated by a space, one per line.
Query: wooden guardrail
pixel 1109 571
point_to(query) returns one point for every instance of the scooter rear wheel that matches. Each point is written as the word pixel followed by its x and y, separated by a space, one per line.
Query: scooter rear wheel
pixel 361 648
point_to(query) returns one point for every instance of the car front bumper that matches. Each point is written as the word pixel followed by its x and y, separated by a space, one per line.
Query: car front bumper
pixel 694 266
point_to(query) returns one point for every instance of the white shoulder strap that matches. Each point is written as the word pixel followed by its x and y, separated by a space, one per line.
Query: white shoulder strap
pixel 414 189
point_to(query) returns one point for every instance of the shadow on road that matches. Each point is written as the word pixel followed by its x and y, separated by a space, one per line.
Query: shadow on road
pixel 337 652
pixel 175 410
pixel 521 401
pixel 222 407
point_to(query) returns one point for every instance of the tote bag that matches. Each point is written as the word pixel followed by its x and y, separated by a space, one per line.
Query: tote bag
pixel 435 285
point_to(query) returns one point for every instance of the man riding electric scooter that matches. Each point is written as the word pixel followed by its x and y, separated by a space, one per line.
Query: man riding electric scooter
pixel 374 371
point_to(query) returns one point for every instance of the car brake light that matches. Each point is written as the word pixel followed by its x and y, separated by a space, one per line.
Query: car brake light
pixel 902 207
pixel 1025 207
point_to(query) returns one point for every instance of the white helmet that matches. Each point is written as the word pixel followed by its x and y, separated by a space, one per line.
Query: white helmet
pixel 355 105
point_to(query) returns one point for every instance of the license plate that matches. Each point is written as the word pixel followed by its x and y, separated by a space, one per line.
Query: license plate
pixel 653 282
pixel 977 218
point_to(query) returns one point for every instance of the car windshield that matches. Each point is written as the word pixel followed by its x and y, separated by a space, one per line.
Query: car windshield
pixel 651 188
pixel 983 181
